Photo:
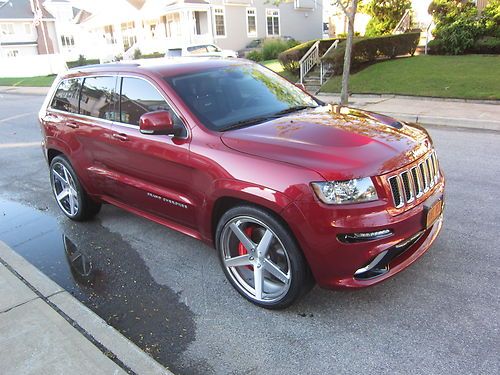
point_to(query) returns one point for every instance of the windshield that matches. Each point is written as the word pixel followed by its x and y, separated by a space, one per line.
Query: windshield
pixel 236 96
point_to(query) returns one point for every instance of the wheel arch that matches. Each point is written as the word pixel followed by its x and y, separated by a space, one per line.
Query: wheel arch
pixel 52 153
pixel 225 203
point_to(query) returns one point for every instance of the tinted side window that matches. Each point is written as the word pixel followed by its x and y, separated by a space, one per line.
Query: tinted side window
pixel 174 52
pixel 137 98
pixel 66 97
pixel 98 97
pixel 197 50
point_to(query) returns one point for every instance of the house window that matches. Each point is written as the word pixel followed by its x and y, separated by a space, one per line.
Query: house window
pixel 220 27
pixel 12 53
pixel 67 40
pixel 27 28
pixel 273 22
pixel 128 34
pixel 251 22
pixel 7 29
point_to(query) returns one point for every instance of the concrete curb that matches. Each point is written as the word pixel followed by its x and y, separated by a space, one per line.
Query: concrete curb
pixel 113 343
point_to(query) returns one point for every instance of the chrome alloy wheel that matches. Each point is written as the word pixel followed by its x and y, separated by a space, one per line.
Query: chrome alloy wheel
pixel 255 259
pixel 64 189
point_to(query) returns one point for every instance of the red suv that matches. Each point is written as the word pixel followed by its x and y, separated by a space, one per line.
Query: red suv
pixel 289 190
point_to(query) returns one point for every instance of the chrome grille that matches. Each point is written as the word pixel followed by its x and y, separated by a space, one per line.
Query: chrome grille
pixel 414 182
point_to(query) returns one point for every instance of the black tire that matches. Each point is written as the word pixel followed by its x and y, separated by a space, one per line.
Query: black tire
pixel 85 208
pixel 282 247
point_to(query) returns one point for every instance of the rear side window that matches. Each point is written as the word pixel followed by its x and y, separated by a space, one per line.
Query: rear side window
pixel 66 97
pixel 197 50
pixel 99 97
pixel 174 52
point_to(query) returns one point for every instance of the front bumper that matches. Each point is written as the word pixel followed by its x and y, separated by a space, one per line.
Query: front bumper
pixel 337 264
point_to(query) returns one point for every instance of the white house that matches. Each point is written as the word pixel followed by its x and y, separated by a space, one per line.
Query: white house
pixel 68 32
pixel 28 39
pixel 20 35
pixel 154 25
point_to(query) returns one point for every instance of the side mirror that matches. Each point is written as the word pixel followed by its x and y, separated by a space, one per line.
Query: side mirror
pixel 158 122
pixel 301 86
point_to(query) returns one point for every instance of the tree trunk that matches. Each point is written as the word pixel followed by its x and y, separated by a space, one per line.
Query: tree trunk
pixel 351 14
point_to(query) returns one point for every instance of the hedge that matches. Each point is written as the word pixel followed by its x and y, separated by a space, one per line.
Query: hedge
pixel 363 50
pixel 73 64
pixel 153 55
pixel 485 45
pixel 291 57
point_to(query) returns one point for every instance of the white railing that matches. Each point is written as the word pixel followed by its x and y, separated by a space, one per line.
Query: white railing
pixel 428 36
pixel 322 67
pixel 404 24
pixel 309 60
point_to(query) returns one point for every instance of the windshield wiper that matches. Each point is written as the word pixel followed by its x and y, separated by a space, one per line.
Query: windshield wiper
pixel 256 120
pixel 243 123
pixel 292 109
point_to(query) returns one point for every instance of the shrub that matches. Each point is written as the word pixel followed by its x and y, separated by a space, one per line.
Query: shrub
pixel 459 36
pixel 459 25
pixel 435 47
pixel 490 19
pixel 82 61
pixel 271 48
pixel 486 45
pixel 137 54
pixel 255 55
pixel 153 55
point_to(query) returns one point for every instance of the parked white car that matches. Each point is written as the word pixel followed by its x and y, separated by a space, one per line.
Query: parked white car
pixel 201 50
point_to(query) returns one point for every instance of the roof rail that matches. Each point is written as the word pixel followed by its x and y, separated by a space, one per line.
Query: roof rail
pixel 110 65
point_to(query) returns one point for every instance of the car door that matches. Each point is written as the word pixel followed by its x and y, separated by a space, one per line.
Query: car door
pixel 151 173
pixel 97 111
pixel 81 115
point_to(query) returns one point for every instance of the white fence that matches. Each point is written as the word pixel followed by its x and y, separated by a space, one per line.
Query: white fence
pixel 31 66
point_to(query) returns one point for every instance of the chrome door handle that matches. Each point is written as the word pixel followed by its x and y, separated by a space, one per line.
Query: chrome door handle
pixel 120 136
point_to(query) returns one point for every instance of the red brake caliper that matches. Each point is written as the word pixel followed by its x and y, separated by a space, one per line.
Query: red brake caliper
pixel 241 249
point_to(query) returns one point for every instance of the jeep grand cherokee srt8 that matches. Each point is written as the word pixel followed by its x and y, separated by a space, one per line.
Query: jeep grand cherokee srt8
pixel 289 190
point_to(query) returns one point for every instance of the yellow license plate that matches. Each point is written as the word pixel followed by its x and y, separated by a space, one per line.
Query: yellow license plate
pixel 433 213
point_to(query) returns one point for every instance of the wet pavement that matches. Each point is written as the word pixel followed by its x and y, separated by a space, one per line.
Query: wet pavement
pixel 167 293
pixel 104 273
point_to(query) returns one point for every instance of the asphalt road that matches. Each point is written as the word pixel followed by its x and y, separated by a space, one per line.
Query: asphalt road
pixel 168 294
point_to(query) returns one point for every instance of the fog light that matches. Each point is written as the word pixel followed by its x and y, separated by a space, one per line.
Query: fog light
pixel 365 236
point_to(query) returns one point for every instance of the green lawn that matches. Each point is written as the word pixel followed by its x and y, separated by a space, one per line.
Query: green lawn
pixel 41 81
pixel 276 66
pixel 466 77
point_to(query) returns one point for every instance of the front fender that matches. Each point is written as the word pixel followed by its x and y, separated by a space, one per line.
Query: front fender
pixel 270 199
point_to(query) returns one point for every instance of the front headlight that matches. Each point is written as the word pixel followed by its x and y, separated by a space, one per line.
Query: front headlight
pixel 343 192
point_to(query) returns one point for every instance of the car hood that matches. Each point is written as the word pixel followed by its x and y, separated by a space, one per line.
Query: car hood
pixel 339 143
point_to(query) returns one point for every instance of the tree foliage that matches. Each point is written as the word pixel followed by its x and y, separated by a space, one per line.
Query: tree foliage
pixel 386 15
pixel 459 25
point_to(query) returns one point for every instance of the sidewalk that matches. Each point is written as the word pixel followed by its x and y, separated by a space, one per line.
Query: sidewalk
pixel 45 330
pixel 428 111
